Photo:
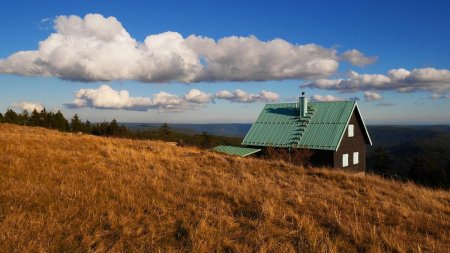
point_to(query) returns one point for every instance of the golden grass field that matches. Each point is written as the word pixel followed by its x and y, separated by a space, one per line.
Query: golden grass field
pixel 62 192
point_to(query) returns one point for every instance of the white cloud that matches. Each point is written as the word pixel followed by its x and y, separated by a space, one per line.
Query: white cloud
pixel 240 96
pixel 372 96
pixel 28 106
pixel 326 98
pixel 197 96
pixel 95 48
pixel 105 97
pixel 247 58
pixel 401 80
pixel 439 96
pixel 356 58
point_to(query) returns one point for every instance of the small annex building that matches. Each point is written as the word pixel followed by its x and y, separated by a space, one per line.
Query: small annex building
pixel 334 131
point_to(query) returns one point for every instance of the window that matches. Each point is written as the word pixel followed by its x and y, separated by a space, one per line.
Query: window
pixel 344 160
pixel 351 133
pixel 355 157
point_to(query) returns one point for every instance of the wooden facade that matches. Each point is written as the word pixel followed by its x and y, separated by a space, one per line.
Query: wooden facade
pixel 351 145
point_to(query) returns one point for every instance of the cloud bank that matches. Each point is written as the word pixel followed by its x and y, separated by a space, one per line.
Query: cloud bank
pixel 27 106
pixel 97 48
pixel 240 96
pixel 401 80
pixel 326 98
pixel 105 97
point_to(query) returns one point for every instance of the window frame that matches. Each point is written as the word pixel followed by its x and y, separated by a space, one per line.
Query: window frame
pixel 345 160
pixel 355 155
pixel 351 130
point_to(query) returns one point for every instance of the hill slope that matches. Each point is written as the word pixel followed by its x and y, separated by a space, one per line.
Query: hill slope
pixel 66 192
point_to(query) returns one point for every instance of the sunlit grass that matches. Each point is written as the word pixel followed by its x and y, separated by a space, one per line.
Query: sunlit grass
pixel 64 192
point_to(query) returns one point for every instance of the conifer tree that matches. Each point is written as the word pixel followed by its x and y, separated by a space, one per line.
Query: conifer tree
pixel 44 120
pixel 11 117
pixel 75 124
pixel 87 127
pixel 23 118
pixel 35 118
pixel 113 128
pixel 1 117
pixel 60 122
pixel 165 131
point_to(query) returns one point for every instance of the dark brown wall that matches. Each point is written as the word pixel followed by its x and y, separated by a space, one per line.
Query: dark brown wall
pixel 322 158
pixel 352 144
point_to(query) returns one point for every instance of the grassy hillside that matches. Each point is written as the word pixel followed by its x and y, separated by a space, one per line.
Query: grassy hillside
pixel 80 193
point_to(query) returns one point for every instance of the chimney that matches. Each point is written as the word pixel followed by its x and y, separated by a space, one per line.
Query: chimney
pixel 303 105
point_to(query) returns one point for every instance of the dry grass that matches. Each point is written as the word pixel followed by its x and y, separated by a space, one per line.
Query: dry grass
pixel 76 193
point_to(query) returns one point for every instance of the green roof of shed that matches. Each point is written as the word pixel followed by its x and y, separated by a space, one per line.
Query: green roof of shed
pixel 280 125
pixel 239 151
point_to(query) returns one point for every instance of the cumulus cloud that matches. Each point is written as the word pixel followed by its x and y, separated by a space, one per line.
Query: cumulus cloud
pixel 27 106
pixel 401 80
pixel 199 97
pixel 105 97
pixel 356 58
pixel 372 96
pixel 240 96
pixel 326 98
pixel 97 48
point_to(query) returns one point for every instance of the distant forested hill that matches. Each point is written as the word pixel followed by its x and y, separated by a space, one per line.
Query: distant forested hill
pixel 232 129
pixel 419 153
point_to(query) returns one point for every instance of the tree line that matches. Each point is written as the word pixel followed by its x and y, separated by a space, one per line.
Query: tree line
pixel 57 121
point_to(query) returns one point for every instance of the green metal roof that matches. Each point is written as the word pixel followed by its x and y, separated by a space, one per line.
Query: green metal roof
pixel 239 151
pixel 280 125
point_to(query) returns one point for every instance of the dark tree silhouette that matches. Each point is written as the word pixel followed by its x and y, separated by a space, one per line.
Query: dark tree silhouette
pixel 23 118
pixel 206 140
pixel 165 131
pixel 60 122
pixel 11 117
pixel 113 128
pixel 75 124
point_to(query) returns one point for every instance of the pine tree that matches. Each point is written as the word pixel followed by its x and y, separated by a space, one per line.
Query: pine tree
pixel 23 118
pixel 35 118
pixel 165 131
pixel 60 122
pixel 87 127
pixel 44 120
pixel 113 128
pixel 75 124
pixel 11 117
pixel 1 117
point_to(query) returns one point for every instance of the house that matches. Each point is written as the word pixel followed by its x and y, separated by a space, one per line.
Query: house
pixel 334 131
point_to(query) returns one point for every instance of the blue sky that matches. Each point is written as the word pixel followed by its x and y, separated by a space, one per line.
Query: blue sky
pixel 413 36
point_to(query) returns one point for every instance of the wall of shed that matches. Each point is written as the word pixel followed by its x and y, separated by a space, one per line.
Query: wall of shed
pixel 349 145
pixel 322 158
